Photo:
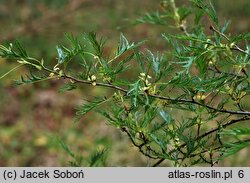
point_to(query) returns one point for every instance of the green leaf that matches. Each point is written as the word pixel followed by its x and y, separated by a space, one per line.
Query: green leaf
pixel 68 87
pixel 181 79
pixel 66 148
pixel 225 26
pixel 152 18
pixel 14 51
pixel 74 41
pixel 77 160
pixel 158 126
pixel 201 65
pixel 232 148
pixel 121 67
pixel 124 45
pixel 140 58
pixel 97 45
pixel 158 141
pixel 198 16
pixel 187 63
pixel 156 63
pixel 21 50
pixel 189 140
pixel 86 107
pixel 238 131
pixel 167 37
pixel 134 92
pixel 241 37
pixel 61 55
pixel 150 114
pixel 106 115
pixel 28 79
pixel 184 12
pixel 67 54
pixel 167 118
pixel 98 158
pixel 208 9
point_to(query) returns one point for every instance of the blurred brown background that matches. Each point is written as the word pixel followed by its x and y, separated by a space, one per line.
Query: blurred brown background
pixel 33 117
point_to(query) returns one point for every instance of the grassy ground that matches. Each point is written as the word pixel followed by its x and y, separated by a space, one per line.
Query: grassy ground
pixel 34 118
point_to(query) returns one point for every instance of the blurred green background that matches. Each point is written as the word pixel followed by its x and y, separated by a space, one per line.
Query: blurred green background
pixel 34 117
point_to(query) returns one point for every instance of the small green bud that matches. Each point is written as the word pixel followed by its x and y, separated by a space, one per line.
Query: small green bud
pixel 199 96
pixel 210 62
pixel 142 74
pixel 232 45
pixel 145 88
pixel 96 57
pixel 93 78
pixel 60 73
pixel 38 67
pixel 21 61
pixel 51 74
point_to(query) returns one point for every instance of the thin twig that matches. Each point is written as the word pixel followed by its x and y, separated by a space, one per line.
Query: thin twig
pixel 124 129
pixel 108 85
pixel 157 96
pixel 216 148
pixel 204 135
pixel 200 104
pixel 97 83
pixel 235 47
